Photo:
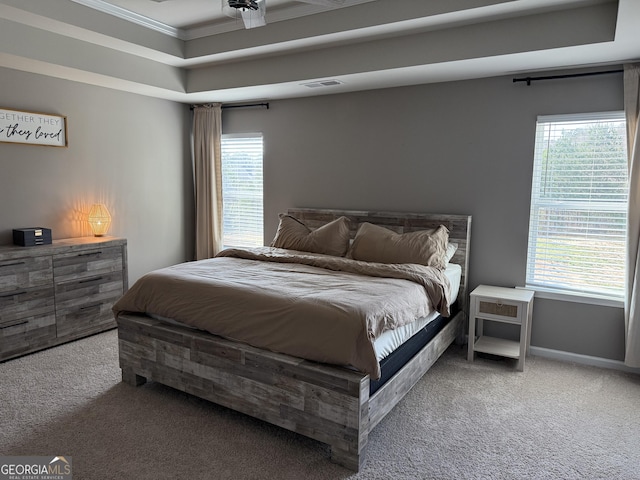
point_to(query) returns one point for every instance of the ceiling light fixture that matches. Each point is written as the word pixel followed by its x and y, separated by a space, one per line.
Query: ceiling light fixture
pixel 244 4
pixel 254 12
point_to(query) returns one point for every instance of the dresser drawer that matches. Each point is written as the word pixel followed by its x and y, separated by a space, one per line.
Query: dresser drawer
pixel 19 336
pixel 27 320
pixel 87 263
pixel 84 305
pixel 21 273
pixel 24 303
pixel 85 320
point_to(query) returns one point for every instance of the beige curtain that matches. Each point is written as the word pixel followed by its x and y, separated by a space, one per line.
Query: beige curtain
pixel 207 167
pixel 632 297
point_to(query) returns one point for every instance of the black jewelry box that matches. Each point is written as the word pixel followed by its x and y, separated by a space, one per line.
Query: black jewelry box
pixel 28 237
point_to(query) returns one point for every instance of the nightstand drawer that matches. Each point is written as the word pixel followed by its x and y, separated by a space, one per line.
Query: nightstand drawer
pixel 498 309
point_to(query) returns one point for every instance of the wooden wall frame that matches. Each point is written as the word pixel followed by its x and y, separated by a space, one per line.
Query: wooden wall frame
pixel 32 128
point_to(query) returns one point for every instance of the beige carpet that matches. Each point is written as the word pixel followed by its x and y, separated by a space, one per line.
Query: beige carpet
pixel 461 421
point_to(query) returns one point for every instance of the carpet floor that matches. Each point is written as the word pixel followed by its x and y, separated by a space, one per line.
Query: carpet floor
pixel 480 420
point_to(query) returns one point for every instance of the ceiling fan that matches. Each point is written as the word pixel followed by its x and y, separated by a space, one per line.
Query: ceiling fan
pixel 253 12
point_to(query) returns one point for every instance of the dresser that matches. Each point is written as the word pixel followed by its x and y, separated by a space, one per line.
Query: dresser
pixel 51 294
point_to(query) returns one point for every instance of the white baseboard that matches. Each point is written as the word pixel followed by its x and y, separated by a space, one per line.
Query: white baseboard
pixel 578 358
pixel 582 359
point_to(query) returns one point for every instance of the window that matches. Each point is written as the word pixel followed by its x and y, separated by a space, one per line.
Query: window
pixel 242 212
pixel 577 226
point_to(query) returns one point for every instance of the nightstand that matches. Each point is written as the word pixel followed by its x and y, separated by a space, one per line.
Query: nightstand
pixel 505 305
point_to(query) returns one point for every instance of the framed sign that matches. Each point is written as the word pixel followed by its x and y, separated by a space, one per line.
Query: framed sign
pixel 32 128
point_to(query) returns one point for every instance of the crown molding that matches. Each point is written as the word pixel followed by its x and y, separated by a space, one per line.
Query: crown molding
pixel 130 16
pixel 298 9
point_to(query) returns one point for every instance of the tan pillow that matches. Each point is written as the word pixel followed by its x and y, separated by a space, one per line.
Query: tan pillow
pixel 379 244
pixel 330 239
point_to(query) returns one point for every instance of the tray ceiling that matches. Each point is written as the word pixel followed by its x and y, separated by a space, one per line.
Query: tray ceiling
pixel 187 51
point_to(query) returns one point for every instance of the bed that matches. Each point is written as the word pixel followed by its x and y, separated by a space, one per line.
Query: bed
pixel 335 404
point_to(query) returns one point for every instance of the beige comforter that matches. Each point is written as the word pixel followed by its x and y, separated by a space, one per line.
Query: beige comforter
pixel 318 307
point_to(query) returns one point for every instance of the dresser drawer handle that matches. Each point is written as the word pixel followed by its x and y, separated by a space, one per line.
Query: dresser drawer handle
pixel 89 307
pixel 12 294
pixel 15 323
pixel 90 254
pixel 12 264
pixel 94 279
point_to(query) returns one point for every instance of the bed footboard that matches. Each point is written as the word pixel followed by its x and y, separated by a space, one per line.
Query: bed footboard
pixel 329 404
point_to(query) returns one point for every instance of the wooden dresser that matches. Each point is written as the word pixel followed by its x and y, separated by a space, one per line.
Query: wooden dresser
pixel 51 294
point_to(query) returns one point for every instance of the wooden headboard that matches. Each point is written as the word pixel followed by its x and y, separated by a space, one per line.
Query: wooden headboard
pixel 459 231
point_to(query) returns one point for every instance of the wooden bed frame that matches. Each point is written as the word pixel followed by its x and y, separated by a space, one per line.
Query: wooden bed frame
pixel 328 403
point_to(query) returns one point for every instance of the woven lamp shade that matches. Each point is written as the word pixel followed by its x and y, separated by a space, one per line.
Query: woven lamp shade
pixel 99 219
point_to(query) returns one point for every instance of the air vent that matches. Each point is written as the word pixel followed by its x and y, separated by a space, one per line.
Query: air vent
pixel 323 83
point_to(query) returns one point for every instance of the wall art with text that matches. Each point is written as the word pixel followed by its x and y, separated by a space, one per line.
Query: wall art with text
pixel 32 128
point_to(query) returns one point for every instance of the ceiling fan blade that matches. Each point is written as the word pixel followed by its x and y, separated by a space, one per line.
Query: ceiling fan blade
pixel 327 3
pixel 255 18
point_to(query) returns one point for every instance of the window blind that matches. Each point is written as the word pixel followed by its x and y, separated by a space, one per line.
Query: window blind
pixel 578 218
pixel 242 190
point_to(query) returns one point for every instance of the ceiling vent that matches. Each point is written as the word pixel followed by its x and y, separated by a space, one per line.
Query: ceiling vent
pixel 323 83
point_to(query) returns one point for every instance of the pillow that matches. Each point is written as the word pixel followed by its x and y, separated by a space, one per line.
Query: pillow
pixel 451 250
pixel 330 239
pixel 379 244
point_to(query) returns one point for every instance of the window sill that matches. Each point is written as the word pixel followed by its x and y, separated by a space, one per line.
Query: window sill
pixel 576 297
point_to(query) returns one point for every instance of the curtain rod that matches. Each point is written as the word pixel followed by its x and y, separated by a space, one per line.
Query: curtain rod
pixel 569 75
pixel 246 105
pixel 241 105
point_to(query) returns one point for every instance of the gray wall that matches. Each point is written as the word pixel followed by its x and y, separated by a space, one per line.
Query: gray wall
pixel 459 147
pixel 127 151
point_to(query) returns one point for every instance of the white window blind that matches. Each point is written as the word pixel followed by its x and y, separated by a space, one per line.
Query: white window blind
pixel 578 213
pixel 242 190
